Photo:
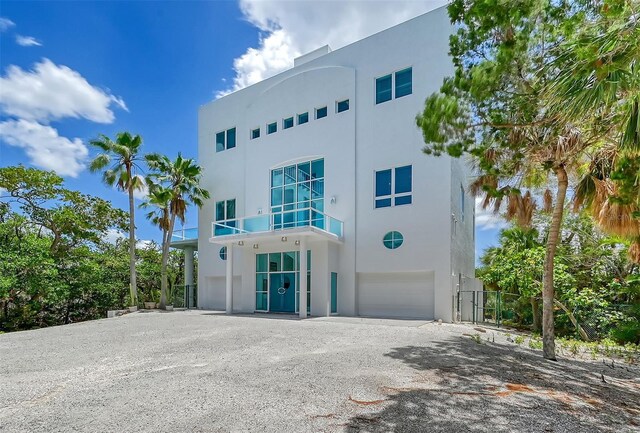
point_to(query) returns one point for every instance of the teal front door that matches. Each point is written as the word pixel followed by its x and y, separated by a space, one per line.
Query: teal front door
pixel 282 292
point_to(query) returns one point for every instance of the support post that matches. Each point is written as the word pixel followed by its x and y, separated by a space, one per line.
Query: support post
pixel 188 276
pixel 302 307
pixel 229 279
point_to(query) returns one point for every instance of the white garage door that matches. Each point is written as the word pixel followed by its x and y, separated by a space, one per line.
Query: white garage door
pixel 405 294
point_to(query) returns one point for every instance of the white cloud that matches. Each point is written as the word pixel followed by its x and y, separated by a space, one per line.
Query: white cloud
pixel 486 219
pixel 113 235
pixel 141 194
pixel 50 92
pixel 27 41
pixel 294 28
pixel 45 147
pixel 6 24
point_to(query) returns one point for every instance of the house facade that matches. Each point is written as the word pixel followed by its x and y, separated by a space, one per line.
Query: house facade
pixel 322 201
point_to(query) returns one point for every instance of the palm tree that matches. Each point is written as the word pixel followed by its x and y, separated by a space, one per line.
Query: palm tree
pixel 122 157
pixel 173 185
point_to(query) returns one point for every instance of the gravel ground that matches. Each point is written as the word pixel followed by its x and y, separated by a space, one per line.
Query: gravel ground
pixel 195 371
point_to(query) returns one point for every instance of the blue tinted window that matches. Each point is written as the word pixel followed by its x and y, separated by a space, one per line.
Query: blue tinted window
pixel 220 141
pixel 383 89
pixel 393 240
pixel 220 211
pixel 321 112
pixel 343 106
pixel 287 123
pixel 405 199
pixel 276 177
pixel 383 183
pixel 403 82
pixel 403 179
pixel 255 133
pixel 272 127
pixel 231 138
pixel 303 118
pixel 385 202
pixel 317 169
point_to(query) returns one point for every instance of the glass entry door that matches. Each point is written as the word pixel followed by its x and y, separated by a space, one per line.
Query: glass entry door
pixel 282 292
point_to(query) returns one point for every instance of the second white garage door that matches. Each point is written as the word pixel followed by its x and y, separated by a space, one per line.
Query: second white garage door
pixel 405 294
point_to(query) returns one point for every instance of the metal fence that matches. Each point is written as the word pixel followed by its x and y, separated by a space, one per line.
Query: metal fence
pixel 482 306
pixel 185 296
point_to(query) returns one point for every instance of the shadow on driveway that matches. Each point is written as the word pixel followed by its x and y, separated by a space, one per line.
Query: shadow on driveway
pixel 463 386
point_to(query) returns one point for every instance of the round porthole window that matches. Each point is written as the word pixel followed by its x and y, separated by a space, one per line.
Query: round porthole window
pixel 393 240
pixel 223 253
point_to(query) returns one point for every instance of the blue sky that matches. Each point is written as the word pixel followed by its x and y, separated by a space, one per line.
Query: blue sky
pixel 146 67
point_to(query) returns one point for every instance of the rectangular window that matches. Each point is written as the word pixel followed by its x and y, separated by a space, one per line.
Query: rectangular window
pixel 226 140
pixel 231 138
pixel 393 187
pixel 462 202
pixel 225 217
pixel 272 127
pixel 321 112
pixel 334 292
pixel 255 133
pixel 297 195
pixel 303 118
pixel 383 89
pixel 342 106
pixel 403 82
pixel 287 123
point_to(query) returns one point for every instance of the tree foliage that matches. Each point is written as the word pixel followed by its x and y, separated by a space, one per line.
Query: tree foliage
pixel 500 108
pixel 55 265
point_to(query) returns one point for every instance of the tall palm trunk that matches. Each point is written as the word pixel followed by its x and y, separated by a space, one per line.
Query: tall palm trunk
pixel 548 343
pixel 133 288
pixel 165 259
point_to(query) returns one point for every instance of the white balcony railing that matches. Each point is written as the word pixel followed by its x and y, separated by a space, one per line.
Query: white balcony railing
pixel 306 217
pixel 184 234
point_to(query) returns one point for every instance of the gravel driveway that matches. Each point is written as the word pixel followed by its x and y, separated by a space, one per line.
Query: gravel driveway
pixel 195 371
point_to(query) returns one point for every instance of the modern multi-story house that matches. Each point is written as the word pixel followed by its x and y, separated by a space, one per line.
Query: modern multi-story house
pixel 322 199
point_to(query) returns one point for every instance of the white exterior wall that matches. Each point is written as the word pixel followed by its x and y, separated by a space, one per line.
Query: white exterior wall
pixel 354 144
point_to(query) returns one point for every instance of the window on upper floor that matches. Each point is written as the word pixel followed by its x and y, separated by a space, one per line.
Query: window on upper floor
pixel 303 118
pixel 383 89
pixel 287 123
pixel 462 203
pixel 393 187
pixel 394 85
pixel 272 127
pixel 255 133
pixel 225 217
pixel 404 85
pixel 321 112
pixel 226 140
pixel 342 106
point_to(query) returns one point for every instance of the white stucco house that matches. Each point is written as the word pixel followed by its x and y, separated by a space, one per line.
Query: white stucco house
pixel 322 201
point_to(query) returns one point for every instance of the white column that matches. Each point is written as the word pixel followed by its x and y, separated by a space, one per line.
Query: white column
pixel 229 281
pixel 188 275
pixel 303 278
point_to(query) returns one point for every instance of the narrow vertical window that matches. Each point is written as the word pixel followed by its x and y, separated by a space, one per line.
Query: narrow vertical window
pixel 402 189
pixel 383 89
pixel 462 202
pixel 404 85
pixel 220 141
pixel 383 188
pixel 231 138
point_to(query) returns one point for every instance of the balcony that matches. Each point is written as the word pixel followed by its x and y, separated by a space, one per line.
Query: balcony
pixel 185 237
pixel 299 220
